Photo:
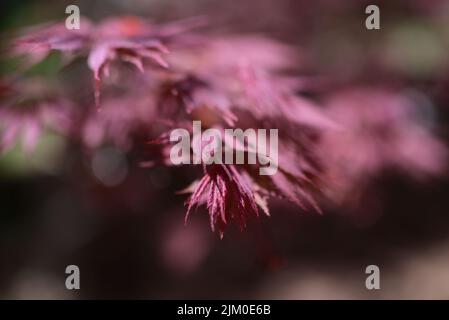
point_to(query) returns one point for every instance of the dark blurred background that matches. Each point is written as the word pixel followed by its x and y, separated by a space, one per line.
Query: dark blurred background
pixel 129 240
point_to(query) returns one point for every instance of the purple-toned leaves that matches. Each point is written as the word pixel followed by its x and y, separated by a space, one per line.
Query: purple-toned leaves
pixel 227 195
